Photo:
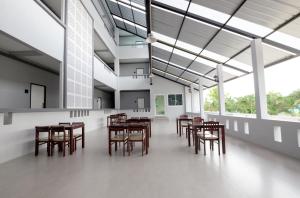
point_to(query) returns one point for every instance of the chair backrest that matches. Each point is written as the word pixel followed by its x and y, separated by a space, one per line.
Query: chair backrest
pixel 58 128
pixel 64 123
pixel 77 122
pixel 211 126
pixel 136 128
pixel 42 129
pixel 184 116
pixel 198 120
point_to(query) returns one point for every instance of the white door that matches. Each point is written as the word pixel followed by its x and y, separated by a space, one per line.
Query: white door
pixel 37 96
pixel 139 71
pixel 141 103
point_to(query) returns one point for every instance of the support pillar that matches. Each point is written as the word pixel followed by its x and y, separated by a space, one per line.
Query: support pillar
pixel 201 99
pixel 259 79
pixel 221 89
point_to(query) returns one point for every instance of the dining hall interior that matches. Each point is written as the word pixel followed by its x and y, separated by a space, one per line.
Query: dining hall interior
pixel 149 98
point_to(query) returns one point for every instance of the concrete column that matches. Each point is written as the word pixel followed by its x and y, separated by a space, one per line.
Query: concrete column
pixel 201 99
pixel 61 86
pixel 192 98
pixel 259 78
pixel 117 91
pixel 117 71
pixel 221 89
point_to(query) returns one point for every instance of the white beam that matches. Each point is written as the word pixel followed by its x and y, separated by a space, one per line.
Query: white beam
pixel 201 99
pixel 259 78
pixel 221 89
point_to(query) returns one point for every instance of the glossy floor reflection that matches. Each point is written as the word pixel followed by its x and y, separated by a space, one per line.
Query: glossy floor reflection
pixel 170 170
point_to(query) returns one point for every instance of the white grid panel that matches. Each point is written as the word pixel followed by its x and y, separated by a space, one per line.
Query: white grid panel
pixel 79 56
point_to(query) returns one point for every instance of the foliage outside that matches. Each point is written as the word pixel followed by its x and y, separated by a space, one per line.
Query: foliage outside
pixel 277 103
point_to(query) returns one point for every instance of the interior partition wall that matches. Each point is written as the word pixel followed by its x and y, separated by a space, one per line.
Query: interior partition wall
pixel 79 60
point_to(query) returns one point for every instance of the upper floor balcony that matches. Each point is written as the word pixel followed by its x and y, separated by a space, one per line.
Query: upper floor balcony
pixel 133 53
pixel 104 74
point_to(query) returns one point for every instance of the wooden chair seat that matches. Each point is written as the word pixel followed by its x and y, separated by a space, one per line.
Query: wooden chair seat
pixel 119 138
pixel 60 138
pixel 208 136
pixel 136 137
pixel 43 139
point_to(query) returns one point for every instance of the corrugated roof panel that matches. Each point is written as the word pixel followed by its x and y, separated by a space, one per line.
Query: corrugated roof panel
pixel 166 23
pixel 196 33
pixel 113 7
pixel 268 13
pixel 226 6
pixel 161 53
pixel 227 44
pixel 139 18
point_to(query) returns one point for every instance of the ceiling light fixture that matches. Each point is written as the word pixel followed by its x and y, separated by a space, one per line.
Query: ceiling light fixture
pixel 150 38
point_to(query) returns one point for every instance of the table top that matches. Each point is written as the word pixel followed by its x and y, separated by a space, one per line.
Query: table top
pixel 201 124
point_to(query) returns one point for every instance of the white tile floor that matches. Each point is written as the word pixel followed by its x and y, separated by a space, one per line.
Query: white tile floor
pixel 170 170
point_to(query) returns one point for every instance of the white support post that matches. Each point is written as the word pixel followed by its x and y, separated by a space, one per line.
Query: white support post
pixel 201 99
pixel 259 78
pixel 117 71
pixel 61 86
pixel 221 89
pixel 192 98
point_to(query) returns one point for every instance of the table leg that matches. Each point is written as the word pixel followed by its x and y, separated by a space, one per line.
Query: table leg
pixel 71 141
pixel 147 140
pixel 83 136
pixel 179 128
pixel 177 125
pixel 223 140
pixel 196 142
pixel 189 135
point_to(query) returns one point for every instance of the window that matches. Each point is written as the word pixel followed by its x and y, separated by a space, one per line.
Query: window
pixel 211 99
pixel 240 99
pixel 282 89
pixel 175 99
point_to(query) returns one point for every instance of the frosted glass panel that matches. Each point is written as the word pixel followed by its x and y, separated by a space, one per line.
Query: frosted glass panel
pixel 79 56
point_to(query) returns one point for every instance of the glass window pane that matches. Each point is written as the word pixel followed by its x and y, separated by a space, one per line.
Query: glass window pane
pixel 283 91
pixel 179 99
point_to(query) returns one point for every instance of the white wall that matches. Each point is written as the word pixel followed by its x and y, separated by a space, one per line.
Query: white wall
pixel 18 139
pixel 129 69
pixel 103 74
pixel 16 76
pixel 129 53
pixel 130 83
pixel 261 132
pixel 28 22
pixel 164 87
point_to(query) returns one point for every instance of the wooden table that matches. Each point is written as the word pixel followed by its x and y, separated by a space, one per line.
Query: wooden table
pixel 200 126
pixel 179 121
pixel 126 125
pixel 71 129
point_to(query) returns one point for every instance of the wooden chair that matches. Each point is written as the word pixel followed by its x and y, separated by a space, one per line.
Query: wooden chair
pixel 198 120
pixel 77 136
pixel 42 140
pixel 210 132
pixel 117 134
pixel 136 134
pixel 60 137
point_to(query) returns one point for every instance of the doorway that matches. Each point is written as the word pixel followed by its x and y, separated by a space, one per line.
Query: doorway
pixel 139 71
pixel 141 103
pixel 37 96
pixel 160 105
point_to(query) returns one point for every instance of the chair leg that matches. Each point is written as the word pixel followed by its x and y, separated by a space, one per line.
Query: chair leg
pixel 109 148
pixel 36 153
pixel 48 148
pixel 116 146
pixel 143 148
pixel 219 146
pixel 123 148
pixel 64 148
pixel 204 148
